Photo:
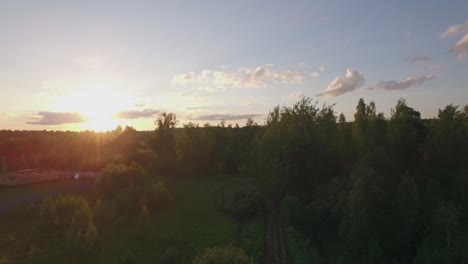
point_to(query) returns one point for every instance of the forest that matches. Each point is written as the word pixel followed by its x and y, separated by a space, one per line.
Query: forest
pixel 378 189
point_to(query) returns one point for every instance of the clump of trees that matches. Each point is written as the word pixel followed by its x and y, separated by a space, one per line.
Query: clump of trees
pixel 239 201
pixel 377 189
pixel 69 224
pixel 127 191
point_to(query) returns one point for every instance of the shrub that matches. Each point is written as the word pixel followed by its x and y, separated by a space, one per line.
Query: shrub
pixel 117 177
pixel 240 202
pixel 156 196
pixel 290 209
pixel 72 218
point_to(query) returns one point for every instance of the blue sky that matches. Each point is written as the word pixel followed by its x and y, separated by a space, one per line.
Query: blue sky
pixel 96 64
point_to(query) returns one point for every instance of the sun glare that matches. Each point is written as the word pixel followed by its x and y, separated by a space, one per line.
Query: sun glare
pixel 99 104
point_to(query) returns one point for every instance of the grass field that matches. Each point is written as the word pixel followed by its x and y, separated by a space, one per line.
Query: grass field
pixel 184 230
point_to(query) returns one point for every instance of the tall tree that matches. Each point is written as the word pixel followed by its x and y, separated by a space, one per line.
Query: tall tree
pixel 165 142
pixel 407 134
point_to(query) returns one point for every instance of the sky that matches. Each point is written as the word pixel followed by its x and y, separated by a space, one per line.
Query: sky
pixel 79 65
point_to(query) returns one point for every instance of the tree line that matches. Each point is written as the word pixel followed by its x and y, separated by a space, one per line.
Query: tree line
pixel 375 190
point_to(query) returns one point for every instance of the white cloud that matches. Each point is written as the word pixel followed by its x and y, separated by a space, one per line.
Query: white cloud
pixel 343 84
pixel 244 77
pixel 184 78
pixel 454 30
pixel 322 68
pixel 401 84
pixel 314 74
pixel 295 96
pixel 461 48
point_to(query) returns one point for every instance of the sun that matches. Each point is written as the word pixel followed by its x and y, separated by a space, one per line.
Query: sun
pixel 98 104
pixel 99 118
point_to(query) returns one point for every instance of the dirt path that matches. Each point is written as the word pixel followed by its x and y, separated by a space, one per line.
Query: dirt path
pixel 276 252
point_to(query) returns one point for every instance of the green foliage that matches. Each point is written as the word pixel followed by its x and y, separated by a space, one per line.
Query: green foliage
pixel 156 196
pixel 375 190
pixel 293 150
pixel 165 142
pixel 356 225
pixel 117 177
pixel 406 136
pixel 301 248
pixel 72 218
pixel 408 206
pixel 240 201
pixel 291 208
pixel 195 149
pixel 123 190
pixel 223 255
pixel 64 150
pixel 243 204
pixel 447 221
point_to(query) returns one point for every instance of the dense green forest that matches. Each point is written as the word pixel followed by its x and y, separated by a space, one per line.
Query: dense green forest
pixel 375 190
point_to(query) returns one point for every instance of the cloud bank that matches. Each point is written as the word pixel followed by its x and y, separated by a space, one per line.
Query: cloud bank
pixel 344 84
pixel 258 77
pixel 57 118
pixel 135 114
pixel 401 84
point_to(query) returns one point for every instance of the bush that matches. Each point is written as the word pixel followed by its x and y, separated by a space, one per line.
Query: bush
pixel 117 177
pixel 126 189
pixel 156 196
pixel 223 255
pixel 301 248
pixel 72 218
pixel 242 203
pixel 290 208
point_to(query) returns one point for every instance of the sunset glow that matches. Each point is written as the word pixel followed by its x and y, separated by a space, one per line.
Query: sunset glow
pixel 67 68
pixel 98 104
